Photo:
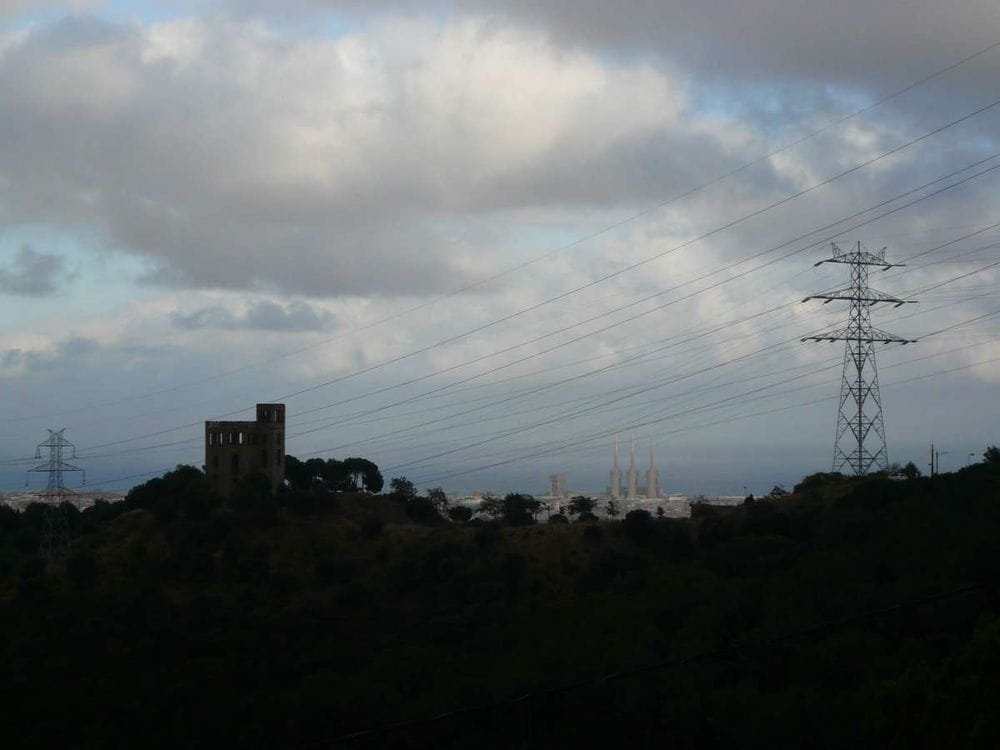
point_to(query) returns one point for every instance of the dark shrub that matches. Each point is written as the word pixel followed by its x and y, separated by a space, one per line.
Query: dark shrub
pixel 558 518
pixel 593 534
pixel 639 526
pixel 519 510
pixel 422 510
pixel 460 514
pixel 819 479
pixel 81 568
pixel 371 528
pixel 766 518
pixel 487 535
pixel 301 502
pixel 8 519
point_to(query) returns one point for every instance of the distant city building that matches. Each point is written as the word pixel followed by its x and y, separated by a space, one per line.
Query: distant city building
pixel 558 486
pixel 236 449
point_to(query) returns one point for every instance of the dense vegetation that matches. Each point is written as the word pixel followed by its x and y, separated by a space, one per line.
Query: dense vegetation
pixel 181 620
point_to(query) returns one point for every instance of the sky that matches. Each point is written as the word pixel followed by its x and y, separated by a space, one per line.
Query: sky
pixel 475 241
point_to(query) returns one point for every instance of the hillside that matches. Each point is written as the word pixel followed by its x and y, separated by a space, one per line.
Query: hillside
pixel 178 620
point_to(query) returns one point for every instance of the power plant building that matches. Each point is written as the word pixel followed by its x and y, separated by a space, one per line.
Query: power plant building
pixel 237 449
pixel 632 489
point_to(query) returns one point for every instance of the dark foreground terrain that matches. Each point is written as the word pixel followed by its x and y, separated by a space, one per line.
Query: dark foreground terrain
pixel 181 621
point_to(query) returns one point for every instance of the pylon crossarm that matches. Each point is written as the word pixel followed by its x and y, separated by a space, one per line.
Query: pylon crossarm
pixel 870 296
pixel 867 339
pixel 869 260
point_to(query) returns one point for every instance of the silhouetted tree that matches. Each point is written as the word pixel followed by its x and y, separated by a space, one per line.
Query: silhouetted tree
pixel 520 510
pixel 183 489
pixel 438 499
pixel 910 470
pixel 659 511
pixel 991 456
pixel 612 510
pixel 363 475
pixel 581 504
pixel 460 514
pixel 639 525
pixel 491 506
pixel 402 489
pixel 300 474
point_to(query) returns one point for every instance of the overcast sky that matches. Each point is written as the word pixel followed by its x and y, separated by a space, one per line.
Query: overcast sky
pixel 472 241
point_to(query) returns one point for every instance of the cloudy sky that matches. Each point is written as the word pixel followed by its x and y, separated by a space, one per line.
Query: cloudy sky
pixel 473 241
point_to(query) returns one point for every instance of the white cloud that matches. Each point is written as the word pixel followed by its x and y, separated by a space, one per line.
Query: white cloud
pixel 235 158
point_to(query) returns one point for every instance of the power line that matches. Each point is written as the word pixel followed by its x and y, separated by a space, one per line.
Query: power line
pixel 700 291
pixel 579 241
pixel 574 378
pixel 636 426
pixel 606 277
pixel 687 338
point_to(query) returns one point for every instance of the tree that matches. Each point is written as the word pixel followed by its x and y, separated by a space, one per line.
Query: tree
pixel 580 505
pixel 638 525
pixel 612 510
pixel 460 514
pixel 991 456
pixel 776 492
pixel 363 475
pixel 184 489
pixel 300 474
pixel 659 511
pixel 520 510
pixel 491 506
pixel 910 470
pixel 438 499
pixel 402 489
pixel 421 510
pixel 251 493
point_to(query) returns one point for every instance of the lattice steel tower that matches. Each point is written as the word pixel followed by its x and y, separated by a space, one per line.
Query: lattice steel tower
pixel 55 541
pixel 860 440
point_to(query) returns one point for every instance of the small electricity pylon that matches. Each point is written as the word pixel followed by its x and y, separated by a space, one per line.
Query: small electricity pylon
pixel 860 440
pixel 55 540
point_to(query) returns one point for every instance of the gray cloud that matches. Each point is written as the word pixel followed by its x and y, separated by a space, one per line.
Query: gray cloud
pixel 852 42
pixel 233 158
pixel 32 274
pixel 10 8
pixel 412 154
pixel 63 355
pixel 263 315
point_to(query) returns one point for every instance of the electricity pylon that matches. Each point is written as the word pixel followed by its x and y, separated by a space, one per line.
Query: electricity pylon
pixel 55 540
pixel 860 440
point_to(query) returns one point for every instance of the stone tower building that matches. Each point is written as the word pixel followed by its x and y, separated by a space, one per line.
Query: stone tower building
pixel 234 450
